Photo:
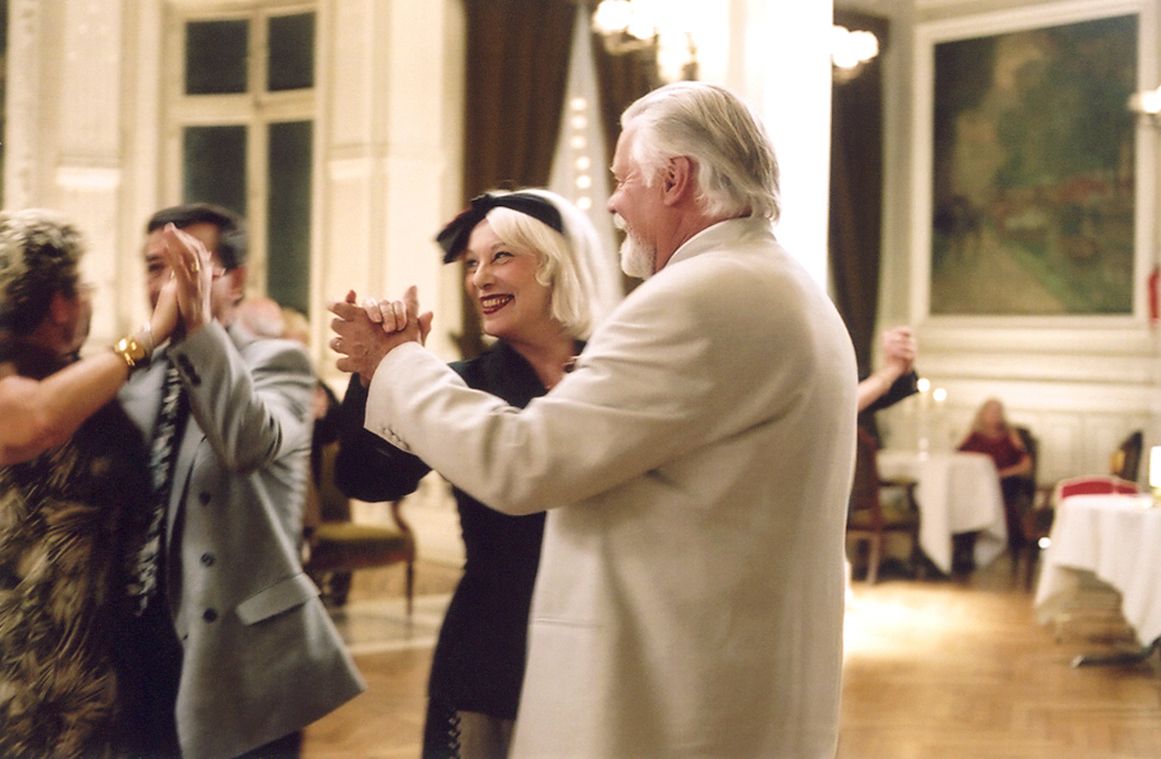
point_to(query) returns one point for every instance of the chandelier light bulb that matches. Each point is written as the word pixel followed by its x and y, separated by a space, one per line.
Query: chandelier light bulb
pixel 849 49
pixel 1147 102
pixel 612 16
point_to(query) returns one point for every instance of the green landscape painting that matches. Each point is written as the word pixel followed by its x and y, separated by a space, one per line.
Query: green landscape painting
pixel 1033 172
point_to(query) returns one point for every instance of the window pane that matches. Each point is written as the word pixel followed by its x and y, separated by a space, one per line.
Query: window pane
pixel 214 166
pixel 215 56
pixel 288 222
pixel 291 63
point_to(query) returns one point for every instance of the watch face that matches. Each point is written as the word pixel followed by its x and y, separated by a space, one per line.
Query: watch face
pixel 129 349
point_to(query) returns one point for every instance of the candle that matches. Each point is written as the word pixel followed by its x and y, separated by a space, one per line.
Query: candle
pixel 1155 468
pixel 924 387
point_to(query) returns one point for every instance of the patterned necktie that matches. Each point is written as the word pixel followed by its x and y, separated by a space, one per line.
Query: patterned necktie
pixel 143 582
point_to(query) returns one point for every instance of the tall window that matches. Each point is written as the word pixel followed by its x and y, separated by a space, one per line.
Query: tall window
pixel 245 110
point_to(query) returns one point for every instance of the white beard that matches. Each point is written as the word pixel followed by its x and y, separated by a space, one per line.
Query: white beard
pixel 636 259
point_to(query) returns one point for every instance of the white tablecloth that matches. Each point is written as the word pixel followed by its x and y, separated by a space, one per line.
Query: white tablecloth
pixel 1117 538
pixel 957 492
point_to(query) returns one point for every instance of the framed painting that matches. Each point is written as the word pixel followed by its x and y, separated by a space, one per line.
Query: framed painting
pixel 1031 199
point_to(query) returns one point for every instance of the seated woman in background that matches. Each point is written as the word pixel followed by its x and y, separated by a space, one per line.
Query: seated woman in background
pixel 540 282
pixel 74 490
pixel 992 435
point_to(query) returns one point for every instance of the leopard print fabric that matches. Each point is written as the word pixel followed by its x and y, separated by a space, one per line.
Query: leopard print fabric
pixel 66 520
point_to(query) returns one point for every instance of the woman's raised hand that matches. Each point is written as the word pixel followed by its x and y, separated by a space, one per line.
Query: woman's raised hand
pixel 163 322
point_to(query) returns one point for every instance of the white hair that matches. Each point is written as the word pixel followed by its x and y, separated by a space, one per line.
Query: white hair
pixel 737 171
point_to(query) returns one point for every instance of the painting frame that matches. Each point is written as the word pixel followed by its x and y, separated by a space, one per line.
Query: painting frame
pixel 926 229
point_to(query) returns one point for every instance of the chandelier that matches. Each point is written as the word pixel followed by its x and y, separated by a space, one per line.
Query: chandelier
pixel 645 26
pixel 850 52
pixel 665 27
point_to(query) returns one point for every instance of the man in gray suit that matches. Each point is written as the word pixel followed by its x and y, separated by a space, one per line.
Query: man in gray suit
pixel 237 652
pixel 696 461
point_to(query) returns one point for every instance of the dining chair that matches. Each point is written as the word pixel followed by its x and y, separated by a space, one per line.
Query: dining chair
pixel 1126 460
pixel 1023 507
pixel 335 545
pixel 879 508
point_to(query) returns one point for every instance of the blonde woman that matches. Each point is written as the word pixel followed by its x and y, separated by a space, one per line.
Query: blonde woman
pixel 540 282
pixel 991 434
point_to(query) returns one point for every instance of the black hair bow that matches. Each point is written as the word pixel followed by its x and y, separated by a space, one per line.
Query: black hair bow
pixel 454 237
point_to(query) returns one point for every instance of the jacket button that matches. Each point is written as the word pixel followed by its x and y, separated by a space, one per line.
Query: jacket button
pixel 207 559
pixel 209 615
pixel 204 497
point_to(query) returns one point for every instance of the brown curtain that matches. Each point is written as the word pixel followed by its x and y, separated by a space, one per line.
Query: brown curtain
pixel 856 192
pixel 517 70
pixel 622 79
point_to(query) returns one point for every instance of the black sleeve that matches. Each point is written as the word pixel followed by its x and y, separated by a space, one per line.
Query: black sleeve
pixel 326 429
pixel 904 387
pixel 368 467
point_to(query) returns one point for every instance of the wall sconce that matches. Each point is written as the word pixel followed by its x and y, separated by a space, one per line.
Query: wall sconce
pixel 641 26
pixel 850 51
pixel 1147 104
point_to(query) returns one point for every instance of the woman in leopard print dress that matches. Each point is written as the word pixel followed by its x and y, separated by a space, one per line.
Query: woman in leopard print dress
pixel 74 484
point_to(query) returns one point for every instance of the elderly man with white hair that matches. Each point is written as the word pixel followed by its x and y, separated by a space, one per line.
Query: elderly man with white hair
pixel 696 461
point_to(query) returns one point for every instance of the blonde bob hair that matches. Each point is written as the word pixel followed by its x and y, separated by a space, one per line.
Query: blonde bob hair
pixel 583 278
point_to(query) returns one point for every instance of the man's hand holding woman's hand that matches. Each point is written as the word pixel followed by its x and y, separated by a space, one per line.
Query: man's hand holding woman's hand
pixel 365 333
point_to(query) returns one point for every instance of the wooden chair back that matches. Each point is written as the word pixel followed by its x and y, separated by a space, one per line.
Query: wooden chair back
pixel 336 546
pixel 867 521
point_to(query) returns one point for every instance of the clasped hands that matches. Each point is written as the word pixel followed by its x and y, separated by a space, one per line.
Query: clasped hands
pixel 899 349
pixel 366 332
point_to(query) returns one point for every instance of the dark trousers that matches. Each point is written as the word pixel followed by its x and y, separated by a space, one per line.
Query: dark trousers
pixel 286 747
pixel 150 678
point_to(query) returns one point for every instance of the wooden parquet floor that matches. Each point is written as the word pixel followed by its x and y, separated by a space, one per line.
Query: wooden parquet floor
pixel 935 669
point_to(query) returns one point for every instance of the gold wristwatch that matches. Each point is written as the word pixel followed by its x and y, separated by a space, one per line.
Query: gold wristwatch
pixel 131 351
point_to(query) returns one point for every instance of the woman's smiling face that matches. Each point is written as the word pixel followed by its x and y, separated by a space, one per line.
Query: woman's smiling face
pixel 513 306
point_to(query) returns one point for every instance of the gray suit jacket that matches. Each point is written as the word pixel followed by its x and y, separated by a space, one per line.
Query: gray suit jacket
pixel 261 656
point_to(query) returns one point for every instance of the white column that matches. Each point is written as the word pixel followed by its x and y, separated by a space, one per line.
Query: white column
pixel 65 129
pixel 22 141
pixel 390 131
pixel 390 135
pixel 779 61
pixel 350 142
pixel 423 167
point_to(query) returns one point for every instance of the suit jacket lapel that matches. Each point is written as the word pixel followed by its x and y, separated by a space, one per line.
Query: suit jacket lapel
pixel 182 471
